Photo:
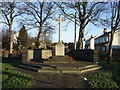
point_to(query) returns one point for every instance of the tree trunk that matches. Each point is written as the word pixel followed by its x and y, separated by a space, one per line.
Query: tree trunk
pixel 40 27
pixel 10 30
pixel 38 37
pixel 80 39
pixel 45 39
pixel 110 47
pixel 10 42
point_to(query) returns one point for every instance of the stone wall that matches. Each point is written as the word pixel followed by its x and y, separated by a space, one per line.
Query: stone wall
pixel 85 55
pixel 40 54
pixel 27 55
pixel 116 54
pixel 17 54
pixel 5 53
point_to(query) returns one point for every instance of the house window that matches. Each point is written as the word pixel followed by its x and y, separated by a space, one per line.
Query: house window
pixel 103 40
pixel 106 39
pixel 100 40
pixel 96 41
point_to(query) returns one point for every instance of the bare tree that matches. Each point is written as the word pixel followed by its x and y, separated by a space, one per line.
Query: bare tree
pixel 86 12
pixel 115 22
pixel 41 12
pixel 9 13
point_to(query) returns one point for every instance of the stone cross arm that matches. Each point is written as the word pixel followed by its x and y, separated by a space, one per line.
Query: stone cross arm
pixel 59 19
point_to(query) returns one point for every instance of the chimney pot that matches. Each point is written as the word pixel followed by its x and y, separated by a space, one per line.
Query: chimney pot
pixel 104 31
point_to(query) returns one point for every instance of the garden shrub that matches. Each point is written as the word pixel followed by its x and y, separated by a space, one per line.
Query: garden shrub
pixel 103 55
pixel 4 77
pixel 102 80
pixel 17 80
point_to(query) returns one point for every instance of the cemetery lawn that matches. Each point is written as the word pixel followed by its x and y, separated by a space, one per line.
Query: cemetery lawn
pixel 13 79
pixel 109 78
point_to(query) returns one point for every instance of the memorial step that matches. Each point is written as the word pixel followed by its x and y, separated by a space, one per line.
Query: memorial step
pixel 68 67
pixel 69 70
pixel 60 68
pixel 90 69
pixel 58 62
pixel 58 59
pixel 29 68
pixel 48 71
pixel 54 57
pixel 88 66
pixel 32 65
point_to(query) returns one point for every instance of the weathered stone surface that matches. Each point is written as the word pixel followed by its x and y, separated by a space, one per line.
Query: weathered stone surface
pixel 60 49
pixel 42 54
pixel 46 54
pixel 27 55
pixel 5 53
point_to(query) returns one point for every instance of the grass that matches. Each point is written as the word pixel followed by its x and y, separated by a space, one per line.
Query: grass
pixel 17 80
pixel 7 65
pixel 13 79
pixel 110 78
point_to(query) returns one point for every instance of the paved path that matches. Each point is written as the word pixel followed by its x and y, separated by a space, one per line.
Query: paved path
pixel 54 80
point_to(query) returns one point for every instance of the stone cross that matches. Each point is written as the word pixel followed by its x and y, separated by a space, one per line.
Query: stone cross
pixel 60 27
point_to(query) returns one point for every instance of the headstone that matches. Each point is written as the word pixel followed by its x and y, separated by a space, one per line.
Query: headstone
pixel 60 47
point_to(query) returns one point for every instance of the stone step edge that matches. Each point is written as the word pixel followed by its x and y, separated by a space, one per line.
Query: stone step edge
pixel 90 69
pixel 59 62
pixel 69 71
pixel 88 66
pixel 31 65
pixel 29 68
pixel 75 67
pixel 58 67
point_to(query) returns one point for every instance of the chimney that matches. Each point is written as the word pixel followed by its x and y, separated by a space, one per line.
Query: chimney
pixel 91 36
pixel 104 31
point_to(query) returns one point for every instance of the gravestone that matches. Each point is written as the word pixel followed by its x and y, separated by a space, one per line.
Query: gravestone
pixel 60 47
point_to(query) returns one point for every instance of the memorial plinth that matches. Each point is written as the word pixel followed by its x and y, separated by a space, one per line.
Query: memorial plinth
pixel 60 49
